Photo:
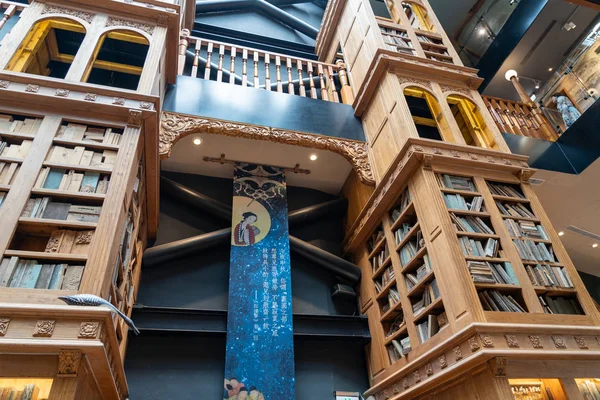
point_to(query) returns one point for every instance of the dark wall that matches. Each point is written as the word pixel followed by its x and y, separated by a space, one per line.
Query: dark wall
pixel 592 283
pixel 176 367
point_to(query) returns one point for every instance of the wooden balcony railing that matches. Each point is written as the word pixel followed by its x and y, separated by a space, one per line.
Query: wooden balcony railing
pixel 520 119
pixel 10 9
pixel 228 63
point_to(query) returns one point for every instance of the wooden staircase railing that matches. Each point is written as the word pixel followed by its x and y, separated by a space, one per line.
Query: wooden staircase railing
pixel 10 8
pixel 256 68
pixel 520 119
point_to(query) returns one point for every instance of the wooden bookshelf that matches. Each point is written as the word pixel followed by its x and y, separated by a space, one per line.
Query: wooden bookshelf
pixel 46 256
pixel 85 168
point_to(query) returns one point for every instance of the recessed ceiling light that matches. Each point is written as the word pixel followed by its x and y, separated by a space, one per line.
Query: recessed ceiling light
pixel 550 69
pixel 197 141
pixel 482 31
pixel 595 245
pixel 313 157
pixel 561 233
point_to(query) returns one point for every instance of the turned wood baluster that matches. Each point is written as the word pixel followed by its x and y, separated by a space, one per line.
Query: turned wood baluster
pixel 311 82
pixel 208 56
pixel 302 89
pixel 290 78
pixel 196 57
pixel 256 82
pixel 331 82
pixel 267 72
pixel 278 73
pixel 183 43
pixel 220 69
pixel 322 83
pixel 232 66
pixel 244 67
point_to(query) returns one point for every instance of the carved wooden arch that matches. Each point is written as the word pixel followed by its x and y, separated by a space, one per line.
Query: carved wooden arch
pixel 174 127
pixel 118 24
pixel 54 11
pixel 455 91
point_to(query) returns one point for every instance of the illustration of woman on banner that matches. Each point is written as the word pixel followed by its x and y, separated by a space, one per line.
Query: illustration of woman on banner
pixel 245 232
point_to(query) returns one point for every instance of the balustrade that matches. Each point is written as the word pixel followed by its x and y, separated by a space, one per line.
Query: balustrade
pixel 10 10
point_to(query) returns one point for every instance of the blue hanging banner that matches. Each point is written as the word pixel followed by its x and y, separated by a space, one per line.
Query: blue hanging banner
pixel 259 363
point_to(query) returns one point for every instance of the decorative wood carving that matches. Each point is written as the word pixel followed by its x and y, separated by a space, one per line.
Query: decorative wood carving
pixel 457 353
pixel 4 84
pixel 442 361
pixel 44 328
pixel 176 126
pixel 146 105
pixel 428 161
pixel 135 118
pixel 429 369
pixel 536 341
pixel 84 237
pixel 53 244
pixel 118 101
pixel 32 88
pixel 512 341
pixel 68 363
pixel 525 174
pixel 51 9
pixel 4 322
pixel 473 156
pixel 62 93
pixel 464 91
pixel 90 97
pixel 405 383
pixel 581 342
pixel 559 342
pixel 409 79
pixel 499 366
pixel 474 344
pixel 486 341
pixel 149 29
pixel 89 330
pixel 417 376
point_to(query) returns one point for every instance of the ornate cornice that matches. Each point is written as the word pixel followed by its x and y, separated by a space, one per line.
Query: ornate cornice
pixel 54 9
pixel 121 22
pixel 174 127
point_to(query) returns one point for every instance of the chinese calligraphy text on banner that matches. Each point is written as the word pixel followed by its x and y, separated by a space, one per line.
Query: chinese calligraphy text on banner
pixel 259 361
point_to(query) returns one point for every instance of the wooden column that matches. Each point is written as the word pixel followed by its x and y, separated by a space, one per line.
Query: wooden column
pixel 346 90
pixel 9 12
pixel 155 52
pixel 79 70
pixel 491 384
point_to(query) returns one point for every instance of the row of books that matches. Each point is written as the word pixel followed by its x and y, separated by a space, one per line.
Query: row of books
pixel 409 250
pixel 398 349
pixel 80 156
pixel 44 207
pixel 589 389
pixel 526 229
pixel 386 278
pixel 458 202
pixel 60 179
pixel 529 250
pixel 8 172
pixel 560 305
pixel 456 182
pixel 380 258
pixel 396 324
pixel 69 242
pixel 493 300
pixel 515 210
pixel 86 133
pixel 486 272
pixel 473 247
pixel 375 238
pixel 545 275
pixel 27 125
pixel 401 233
pixel 499 189
pixel 470 223
pixel 427 39
pixel 413 279
pixel 29 274
pixel 401 205
pixel 428 328
pixel 15 150
pixel 393 299
pixel 431 292
pixel 29 392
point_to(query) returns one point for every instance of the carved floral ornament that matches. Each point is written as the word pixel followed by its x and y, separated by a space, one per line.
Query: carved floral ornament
pixel 174 127
pixel 52 9
pixel 120 22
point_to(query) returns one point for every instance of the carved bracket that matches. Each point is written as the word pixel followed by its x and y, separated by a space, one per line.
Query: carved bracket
pixel 174 127
pixel 68 363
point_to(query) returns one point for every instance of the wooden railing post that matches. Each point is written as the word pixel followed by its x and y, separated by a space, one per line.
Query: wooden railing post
pixel 346 91
pixel 547 131
pixel 9 12
pixel 183 46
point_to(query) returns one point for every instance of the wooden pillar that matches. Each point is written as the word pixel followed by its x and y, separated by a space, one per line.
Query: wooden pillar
pixel 346 90
pixel 545 127
pixel 79 70
pixel 183 46
pixel 492 383
pixel 9 12
pixel 571 390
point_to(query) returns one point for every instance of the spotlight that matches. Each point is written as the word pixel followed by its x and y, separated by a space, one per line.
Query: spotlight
pixel 550 69
pixel 197 141
pixel 313 157
pixel 561 233
pixel 595 245
pixel 481 31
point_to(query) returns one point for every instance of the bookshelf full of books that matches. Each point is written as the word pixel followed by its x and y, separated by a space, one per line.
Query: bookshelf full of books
pixel 16 137
pixel 396 38
pixel 551 281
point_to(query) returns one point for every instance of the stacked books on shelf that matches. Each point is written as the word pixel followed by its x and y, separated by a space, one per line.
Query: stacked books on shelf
pixel 29 274
pixel 60 179
pixel 26 125
pixel 470 223
pixel 44 207
pixel 80 156
pixel 430 294
pixel 529 250
pixel 473 247
pixel 456 182
pixel 401 233
pixel 8 172
pixel 398 349
pixel 486 272
pixel 29 392
pixel 397 40
pixel 409 250
pixel 430 326
pixel 396 325
pixel 393 298
pixel 387 276
pixel 375 238
pixel 89 134
pixel 560 305
pixel 413 279
pixel 525 229
pixel 546 275
pixel 69 242
pixel 515 210
pixel 15 150
pixel 506 190
pixel 458 202
pixel 589 389
pixel 401 205
pixel 493 300
pixel 380 258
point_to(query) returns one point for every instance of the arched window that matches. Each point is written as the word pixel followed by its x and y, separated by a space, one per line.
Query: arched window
pixel 417 16
pixel 118 60
pixel 49 48
pixel 471 123
pixel 427 114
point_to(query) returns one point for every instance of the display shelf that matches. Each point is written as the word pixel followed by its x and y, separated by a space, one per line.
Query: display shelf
pixel 403 330
pixel 378 246
pixel 33 223
pixel 532 239
pixel 420 287
pixel 468 212
pixel 68 194
pixel 409 235
pixel 17 135
pixel 385 290
pixel 510 199
pixel 436 305
pixel 467 193
pixel 46 256
pixel 477 235
pixel 554 290
pixel 533 262
pixel 408 211
pixel 85 168
pixel 5 188
pixel 382 268
pixel 414 261
pixel 520 218
pixel 11 160
pixel 90 144
pixel 497 286
pixel 392 312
